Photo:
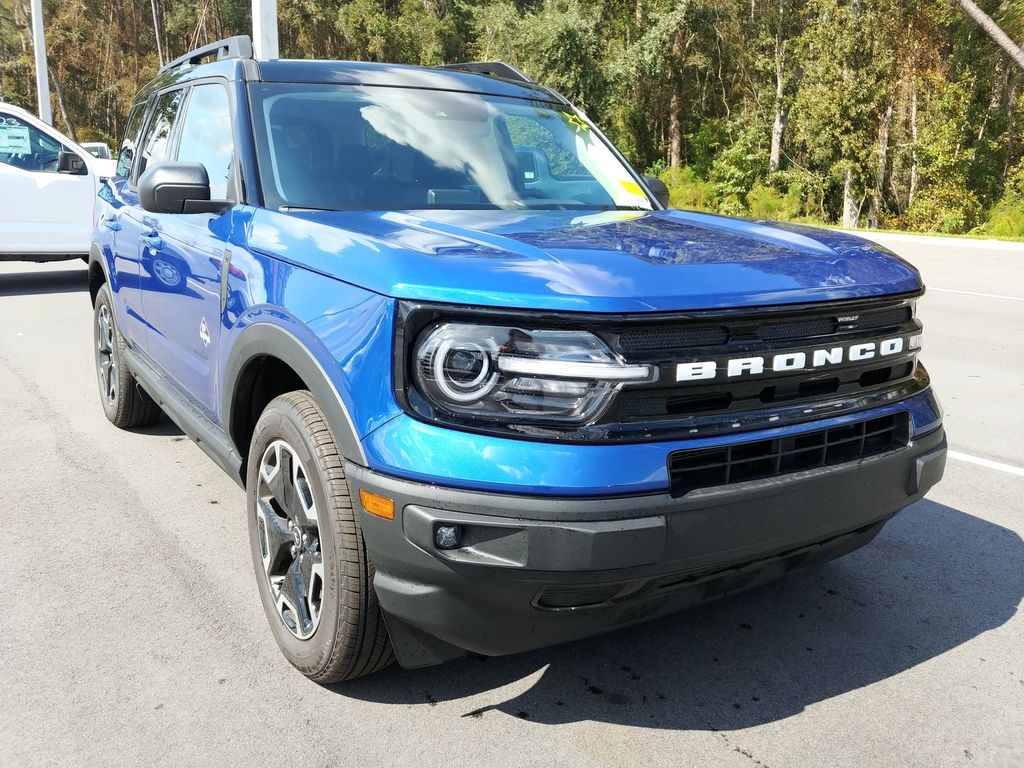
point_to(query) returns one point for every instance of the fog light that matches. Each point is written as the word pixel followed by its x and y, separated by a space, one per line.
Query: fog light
pixel 448 536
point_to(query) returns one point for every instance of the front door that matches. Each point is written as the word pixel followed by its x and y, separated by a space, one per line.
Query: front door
pixel 183 255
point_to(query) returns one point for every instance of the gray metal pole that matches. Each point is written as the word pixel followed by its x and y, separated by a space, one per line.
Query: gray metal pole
pixel 264 29
pixel 42 70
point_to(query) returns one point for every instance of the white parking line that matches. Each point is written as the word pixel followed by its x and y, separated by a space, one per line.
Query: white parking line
pixel 987 463
pixel 975 293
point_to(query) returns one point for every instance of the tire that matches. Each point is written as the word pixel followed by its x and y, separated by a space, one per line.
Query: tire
pixel 314 576
pixel 124 403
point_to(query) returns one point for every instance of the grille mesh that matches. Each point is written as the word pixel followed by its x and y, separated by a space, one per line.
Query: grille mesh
pixel 705 468
pixel 649 339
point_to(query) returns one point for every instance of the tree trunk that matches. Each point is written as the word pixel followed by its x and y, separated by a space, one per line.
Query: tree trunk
pixel 69 127
pixel 675 129
pixel 851 208
pixel 779 126
pixel 675 125
pixel 874 213
pixel 993 30
pixel 913 144
pixel 156 32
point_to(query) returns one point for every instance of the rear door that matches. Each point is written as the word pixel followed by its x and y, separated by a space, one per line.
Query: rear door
pixel 121 248
pixel 187 252
pixel 41 211
pixel 134 259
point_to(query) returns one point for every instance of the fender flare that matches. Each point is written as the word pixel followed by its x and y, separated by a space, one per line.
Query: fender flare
pixel 268 339
pixel 96 257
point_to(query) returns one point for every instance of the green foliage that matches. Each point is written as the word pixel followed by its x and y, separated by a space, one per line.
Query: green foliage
pixel 911 101
pixel 706 143
pixel 947 208
pixel 739 166
pixel 767 203
pixel 1006 219
pixel 687 190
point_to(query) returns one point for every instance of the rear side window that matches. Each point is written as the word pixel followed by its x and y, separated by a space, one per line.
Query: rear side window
pixel 156 143
pixel 126 155
pixel 206 135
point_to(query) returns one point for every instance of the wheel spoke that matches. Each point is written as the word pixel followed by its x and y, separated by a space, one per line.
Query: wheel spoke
pixel 293 593
pixel 280 480
pixel 311 565
pixel 275 538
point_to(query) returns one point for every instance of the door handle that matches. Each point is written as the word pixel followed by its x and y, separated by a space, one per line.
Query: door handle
pixel 153 241
pixel 111 223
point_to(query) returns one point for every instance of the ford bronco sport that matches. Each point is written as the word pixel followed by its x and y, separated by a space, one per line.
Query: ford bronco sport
pixel 483 391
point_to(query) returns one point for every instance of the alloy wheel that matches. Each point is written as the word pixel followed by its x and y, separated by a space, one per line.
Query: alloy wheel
pixel 106 345
pixel 289 537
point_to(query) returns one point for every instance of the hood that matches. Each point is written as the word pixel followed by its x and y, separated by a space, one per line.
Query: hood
pixel 586 262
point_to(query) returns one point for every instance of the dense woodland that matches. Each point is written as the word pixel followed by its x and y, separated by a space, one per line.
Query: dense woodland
pixel 891 113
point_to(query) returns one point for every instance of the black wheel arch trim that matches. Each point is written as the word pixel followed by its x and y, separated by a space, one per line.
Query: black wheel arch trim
pixel 270 340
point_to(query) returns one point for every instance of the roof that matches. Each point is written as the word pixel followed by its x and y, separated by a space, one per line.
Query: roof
pixel 233 58
pixel 396 75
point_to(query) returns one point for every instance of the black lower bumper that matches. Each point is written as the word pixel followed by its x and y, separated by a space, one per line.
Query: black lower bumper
pixel 533 571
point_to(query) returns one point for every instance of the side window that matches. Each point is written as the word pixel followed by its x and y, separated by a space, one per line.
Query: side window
pixel 206 135
pixel 156 142
pixel 25 146
pixel 126 155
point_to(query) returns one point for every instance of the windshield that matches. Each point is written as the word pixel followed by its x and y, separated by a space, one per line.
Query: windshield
pixel 344 147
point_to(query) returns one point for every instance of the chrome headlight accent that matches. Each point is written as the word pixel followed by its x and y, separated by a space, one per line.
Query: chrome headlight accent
pixel 519 374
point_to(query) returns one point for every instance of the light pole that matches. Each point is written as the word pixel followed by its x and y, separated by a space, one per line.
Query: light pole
pixel 264 29
pixel 42 70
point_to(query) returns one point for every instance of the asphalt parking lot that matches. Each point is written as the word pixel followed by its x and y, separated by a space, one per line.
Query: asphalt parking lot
pixel 132 634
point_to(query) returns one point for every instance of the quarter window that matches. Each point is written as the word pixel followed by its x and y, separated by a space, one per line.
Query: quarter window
pixel 156 145
pixel 126 155
pixel 206 136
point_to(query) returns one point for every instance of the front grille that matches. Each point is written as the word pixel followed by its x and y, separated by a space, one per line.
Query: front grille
pixel 760 459
pixel 689 407
pixel 649 339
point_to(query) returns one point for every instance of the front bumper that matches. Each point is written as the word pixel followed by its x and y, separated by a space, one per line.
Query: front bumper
pixel 535 571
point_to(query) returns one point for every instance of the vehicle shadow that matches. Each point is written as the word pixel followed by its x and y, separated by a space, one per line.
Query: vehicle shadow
pixel 55 281
pixel 935 578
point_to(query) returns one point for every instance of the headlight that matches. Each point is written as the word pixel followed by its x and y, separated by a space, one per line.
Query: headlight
pixel 509 373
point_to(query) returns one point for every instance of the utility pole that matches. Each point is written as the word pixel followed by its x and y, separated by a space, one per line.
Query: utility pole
pixel 264 29
pixel 42 69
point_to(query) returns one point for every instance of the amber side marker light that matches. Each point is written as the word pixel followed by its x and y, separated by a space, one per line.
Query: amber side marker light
pixel 381 506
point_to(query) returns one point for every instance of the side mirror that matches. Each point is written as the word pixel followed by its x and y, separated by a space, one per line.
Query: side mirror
pixel 71 164
pixel 178 188
pixel 658 189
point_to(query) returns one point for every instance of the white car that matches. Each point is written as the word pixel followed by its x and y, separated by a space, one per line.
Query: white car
pixel 98 149
pixel 48 187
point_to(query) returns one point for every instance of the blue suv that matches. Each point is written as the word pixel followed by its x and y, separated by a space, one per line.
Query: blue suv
pixel 484 391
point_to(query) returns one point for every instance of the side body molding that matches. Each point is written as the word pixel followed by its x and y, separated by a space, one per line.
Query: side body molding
pixel 266 339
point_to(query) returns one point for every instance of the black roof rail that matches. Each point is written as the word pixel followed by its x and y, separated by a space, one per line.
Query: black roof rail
pixel 492 69
pixel 237 47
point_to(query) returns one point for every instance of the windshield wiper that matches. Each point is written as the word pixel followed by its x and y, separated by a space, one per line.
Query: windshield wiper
pixel 290 208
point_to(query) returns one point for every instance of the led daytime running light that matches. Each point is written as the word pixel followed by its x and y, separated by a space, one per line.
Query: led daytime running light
pixel 538 366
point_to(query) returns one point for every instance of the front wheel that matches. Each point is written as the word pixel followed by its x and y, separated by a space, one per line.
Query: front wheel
pixel 314 576
pixel 124 404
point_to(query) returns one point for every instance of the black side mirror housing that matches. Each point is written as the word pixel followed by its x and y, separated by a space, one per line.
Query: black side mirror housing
pixel 658 189
pixel 180 187
pixel 71 164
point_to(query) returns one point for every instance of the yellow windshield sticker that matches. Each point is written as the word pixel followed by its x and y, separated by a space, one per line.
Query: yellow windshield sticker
pixel 575 121
pixel 632 187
